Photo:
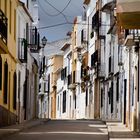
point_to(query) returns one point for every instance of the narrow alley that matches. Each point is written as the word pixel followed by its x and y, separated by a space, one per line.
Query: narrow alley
pixel 70 69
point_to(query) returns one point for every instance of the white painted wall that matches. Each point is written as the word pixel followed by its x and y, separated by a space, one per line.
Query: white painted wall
pixel 22 19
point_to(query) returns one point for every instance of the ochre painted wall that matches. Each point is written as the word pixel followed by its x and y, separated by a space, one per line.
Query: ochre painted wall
pixel 10 56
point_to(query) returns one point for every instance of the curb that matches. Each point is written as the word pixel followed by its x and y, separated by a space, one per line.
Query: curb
pixel 9 133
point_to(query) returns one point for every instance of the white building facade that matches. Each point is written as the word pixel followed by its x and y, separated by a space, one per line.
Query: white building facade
pixel 27 67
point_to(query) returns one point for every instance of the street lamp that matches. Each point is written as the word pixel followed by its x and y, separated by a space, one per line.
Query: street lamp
pixel 44 41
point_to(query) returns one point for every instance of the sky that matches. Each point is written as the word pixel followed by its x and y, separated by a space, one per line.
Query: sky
pixel 50 15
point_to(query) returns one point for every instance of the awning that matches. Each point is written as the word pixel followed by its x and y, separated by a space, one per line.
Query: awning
pixel 128 14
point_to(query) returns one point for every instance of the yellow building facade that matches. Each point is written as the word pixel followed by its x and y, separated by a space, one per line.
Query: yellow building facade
pixel 57 63
pixel 8 62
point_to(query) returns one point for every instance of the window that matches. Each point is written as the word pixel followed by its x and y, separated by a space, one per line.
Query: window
pixel 81 71
pixel 75 101
pixel 63 73
pixel 111 96
pixel 19 79
pixel 95 21
pixel 109 101
pixel 64 101
pixel 94 58
pixel 102 98
pixel 5 82
pixel 109 64
pixel 58 103
pixel 0 73
pixel 75 37
pixel 45 89
pixel 69 79
pixel 44 59
pixel 82 36
pixel 117 89
pixel 86 97
pixel 25 94
pixel 14 24
pixel 14 90
pixel 10 16
pixel 126 32
pixel 48 83
pixel 73 76
pixel 132 91
pixel 70 101
pixel 27 3
pixel 5 6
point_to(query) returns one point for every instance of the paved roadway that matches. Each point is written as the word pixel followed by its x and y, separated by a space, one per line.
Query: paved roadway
pixel 64 130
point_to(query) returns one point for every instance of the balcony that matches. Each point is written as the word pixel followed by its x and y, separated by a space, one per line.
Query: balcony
pixel 109 6
pixel 22 50
pixel 3 32
pixel 33 39
pixel 128 14
pixel 131 37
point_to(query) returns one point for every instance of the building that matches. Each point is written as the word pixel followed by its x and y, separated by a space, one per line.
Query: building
pixel 27 66
pixel 128 22
pixel 8 76
pixel 64 96
pixel 79 68
pixel 51 62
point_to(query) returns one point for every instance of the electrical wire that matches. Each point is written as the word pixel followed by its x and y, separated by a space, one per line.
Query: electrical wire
pixel 51 26
pixel 48 14
pixel 55 25
pixel 60 12
pixel 42 8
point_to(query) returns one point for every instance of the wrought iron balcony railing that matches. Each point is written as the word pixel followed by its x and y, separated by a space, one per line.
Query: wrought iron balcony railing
pixel 3 27
pixel 33 38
